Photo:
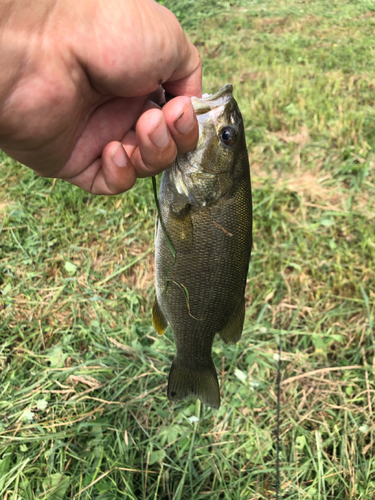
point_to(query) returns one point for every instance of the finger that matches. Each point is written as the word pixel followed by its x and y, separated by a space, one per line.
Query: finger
pixel 182 123
pixel 157 149
pixel 109 122
pixel 141 59
pixel 111 174
pixel 117 174
pixel 187 80
pixel 157 96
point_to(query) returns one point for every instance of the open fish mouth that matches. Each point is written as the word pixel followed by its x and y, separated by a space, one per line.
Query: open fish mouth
pixel 212 110
pixel 210 101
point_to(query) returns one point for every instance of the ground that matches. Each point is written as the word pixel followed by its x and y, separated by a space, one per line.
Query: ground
pixel 83 407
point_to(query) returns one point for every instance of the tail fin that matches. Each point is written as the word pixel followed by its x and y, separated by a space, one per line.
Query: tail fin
pixel 201 383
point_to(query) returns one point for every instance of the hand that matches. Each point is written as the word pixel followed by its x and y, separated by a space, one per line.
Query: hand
pixel 79 101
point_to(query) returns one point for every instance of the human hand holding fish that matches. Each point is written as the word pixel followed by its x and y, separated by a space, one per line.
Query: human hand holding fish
pixel 78 99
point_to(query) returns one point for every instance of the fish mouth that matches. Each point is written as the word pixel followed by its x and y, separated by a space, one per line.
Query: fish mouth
pixel 211 101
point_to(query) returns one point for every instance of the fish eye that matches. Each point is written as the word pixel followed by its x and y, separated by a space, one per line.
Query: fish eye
pixel 227 136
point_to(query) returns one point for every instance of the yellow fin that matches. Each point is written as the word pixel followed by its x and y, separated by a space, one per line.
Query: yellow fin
pixel 159 322
pixel 231 333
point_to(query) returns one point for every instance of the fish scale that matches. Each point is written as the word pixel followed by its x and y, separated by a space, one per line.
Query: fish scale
pixel 200 292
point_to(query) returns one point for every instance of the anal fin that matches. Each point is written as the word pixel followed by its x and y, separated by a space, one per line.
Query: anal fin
pixel 231 333
pixel 199 382
pixel 159 321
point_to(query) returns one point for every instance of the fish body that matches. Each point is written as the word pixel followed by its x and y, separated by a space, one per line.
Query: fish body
pixel 206 213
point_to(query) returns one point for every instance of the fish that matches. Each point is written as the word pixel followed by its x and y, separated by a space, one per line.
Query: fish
pixel 203 241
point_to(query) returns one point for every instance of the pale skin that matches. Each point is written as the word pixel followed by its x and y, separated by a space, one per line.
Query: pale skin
pixel 79 91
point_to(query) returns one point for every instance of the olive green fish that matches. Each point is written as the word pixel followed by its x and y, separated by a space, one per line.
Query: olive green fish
pixel 206 213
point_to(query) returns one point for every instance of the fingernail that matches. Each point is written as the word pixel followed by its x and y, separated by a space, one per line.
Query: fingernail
pixel 185 122
pixel 119 157
pixel 160 136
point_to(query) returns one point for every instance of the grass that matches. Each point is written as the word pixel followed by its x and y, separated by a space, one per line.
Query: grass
pixel 83 408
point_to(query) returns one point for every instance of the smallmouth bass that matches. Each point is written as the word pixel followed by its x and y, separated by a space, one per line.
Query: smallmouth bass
pixel 206 212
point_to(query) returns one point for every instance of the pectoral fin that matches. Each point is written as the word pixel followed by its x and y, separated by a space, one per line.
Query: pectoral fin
pixel 182 224
pixel 159 321
pixel 231 333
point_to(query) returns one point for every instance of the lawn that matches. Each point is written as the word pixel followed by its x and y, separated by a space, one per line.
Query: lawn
pixel 83 407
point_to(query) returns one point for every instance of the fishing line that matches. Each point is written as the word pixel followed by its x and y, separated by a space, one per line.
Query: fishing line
pixel 278 386
pixel 278 413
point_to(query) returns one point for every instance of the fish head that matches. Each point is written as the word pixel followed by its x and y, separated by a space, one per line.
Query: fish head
pixel 220 132
pixel 209 171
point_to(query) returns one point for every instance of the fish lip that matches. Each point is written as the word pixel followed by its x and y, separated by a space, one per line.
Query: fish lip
pixel 226 89
pixel 210 101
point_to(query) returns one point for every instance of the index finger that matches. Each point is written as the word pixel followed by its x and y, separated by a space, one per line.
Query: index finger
pixel 152 51
pixel 187 78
